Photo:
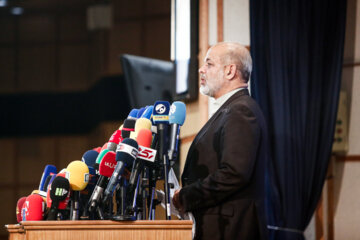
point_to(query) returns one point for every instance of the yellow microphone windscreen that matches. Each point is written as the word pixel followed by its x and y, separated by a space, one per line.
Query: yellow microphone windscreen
pixel 78 175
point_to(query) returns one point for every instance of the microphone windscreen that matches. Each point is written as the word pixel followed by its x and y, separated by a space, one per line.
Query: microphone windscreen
pixel 47 171
pixel 129 125
pixel 107 164
pixel 161 112
pixel 101 155
pixel 140 112
pixel 19 206
pixel 40 193
pixel 148 112
pixel 144 137
pixel 59 191
pixel 98 149
pixel 47 181
pixel 177 113
pixel 142 123
pixel 78 175
pixel 34 208
pixel 133 113
pixel 127 151
pixel 115 137
pixel 89 157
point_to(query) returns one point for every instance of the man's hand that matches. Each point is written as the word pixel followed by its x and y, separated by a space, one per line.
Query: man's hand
pixel 176 201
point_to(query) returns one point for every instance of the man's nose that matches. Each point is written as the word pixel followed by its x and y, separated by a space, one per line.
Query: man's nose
pixel 201 69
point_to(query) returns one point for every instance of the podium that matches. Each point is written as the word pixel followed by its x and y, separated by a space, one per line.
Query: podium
pixel 16 232
pixel 104 229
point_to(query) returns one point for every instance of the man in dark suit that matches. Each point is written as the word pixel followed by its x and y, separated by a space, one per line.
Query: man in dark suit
pixel 224 173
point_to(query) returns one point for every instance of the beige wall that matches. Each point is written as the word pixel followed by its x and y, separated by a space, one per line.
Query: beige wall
pixel 347 174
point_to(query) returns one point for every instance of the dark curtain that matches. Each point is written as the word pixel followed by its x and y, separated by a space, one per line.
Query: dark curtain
pixel 297 50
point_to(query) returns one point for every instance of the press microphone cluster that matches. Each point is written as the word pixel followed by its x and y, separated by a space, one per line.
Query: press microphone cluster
pixel 118 180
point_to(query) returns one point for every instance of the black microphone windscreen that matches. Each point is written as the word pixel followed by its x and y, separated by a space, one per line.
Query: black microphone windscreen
pixel 127 151
pixel 59 189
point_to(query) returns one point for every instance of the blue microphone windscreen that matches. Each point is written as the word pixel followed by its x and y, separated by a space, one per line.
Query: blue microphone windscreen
pixel 48 169
pixel 161 112
pixel 90 157
pixel 177 113
pixel 133 113
pixel 140 112
pixel 148 112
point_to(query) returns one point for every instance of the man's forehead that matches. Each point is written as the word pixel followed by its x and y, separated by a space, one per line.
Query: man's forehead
pixel 212 54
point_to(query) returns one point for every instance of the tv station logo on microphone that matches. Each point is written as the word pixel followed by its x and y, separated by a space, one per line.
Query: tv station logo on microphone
pixel 60 192
pixel 172 109
pixel 161 112
pixel 160 108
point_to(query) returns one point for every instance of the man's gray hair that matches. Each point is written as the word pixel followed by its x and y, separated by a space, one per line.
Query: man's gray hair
pixel 239 55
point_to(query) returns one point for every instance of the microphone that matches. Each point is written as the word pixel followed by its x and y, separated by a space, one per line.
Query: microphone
pixel 126 153
pixel 144 140
pixel 34 208
pixel 48 181
pixel 140 112
pixel 89 157
pixel 161 119
pixel 86 193
pixel 98 149
pixel 63 204
pixel 176 119
pixel 133 113
pixel 106 170
pixel 78 178
pixel 111 145
pixel 59 192
pixel 78 175
pixel 40 193
pixel 148 112
pixel 141 123
pixel 100 158
pixel 19 206
pixel 128 127
pixel 114 140
pixel 93 177
pixel 48 169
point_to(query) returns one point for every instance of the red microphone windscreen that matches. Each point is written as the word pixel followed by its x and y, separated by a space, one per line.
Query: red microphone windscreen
pixel 108 164
pixel 115 137
pixel 144 137
pixel 98 149
pixel 34 208
pixel 19 206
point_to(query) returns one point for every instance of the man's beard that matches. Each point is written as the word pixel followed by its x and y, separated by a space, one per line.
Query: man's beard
pixel 209 90
pixel 205 90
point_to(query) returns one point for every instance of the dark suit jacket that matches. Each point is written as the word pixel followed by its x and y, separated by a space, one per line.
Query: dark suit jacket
pixel 224 173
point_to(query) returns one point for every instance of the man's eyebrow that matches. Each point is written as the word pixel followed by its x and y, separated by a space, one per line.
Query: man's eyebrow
pixel 207 59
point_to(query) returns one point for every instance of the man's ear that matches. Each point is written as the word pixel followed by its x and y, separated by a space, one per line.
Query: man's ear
pixel 230 71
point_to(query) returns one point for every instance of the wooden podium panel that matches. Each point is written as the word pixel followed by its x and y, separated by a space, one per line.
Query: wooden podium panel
pixel 109 230
pixel 16 232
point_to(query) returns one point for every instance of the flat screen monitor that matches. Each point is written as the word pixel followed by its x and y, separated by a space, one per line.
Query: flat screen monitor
pixel 148 80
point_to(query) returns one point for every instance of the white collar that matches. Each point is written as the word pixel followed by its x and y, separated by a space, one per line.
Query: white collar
pixel 217 103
